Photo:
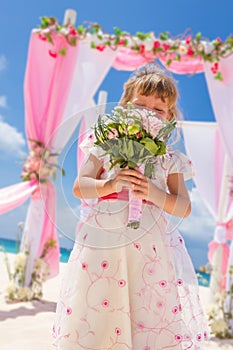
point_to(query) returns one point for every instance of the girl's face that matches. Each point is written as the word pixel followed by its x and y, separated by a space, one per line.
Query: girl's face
pixel 154 103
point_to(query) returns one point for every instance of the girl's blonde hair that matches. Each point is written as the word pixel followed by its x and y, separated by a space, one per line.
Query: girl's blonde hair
pixel 152 80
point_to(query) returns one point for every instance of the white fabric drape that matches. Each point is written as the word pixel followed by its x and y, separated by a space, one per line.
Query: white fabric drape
pixel 91 68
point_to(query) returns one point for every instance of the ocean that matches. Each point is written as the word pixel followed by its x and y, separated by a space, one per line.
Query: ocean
pixel 12 246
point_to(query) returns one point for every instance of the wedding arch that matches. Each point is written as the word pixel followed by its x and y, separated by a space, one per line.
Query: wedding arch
pixel 65 67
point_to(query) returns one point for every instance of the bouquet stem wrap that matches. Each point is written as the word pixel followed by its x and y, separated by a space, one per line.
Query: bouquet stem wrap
pixel 135 207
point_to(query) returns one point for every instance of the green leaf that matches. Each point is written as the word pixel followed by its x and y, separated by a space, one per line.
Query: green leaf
pixel 177 57
pixel 142 36
pixel 118 32
pixel 150 145
pixel 218 76
pixel 93 45
pixel 169 61
pixel 163 36
pixel 45 22
pixel 81 29
pixel 62 51
pixel 198 36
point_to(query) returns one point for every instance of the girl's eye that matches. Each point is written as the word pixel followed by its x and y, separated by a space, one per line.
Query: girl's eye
pixel 159 111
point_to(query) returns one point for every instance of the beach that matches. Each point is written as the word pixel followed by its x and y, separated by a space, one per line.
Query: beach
pixel 28 325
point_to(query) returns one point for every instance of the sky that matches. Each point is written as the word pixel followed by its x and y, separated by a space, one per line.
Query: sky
pixel 18 18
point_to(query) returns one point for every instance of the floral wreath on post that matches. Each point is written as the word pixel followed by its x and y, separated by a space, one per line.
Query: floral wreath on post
pixel 40 165
pixel 145 44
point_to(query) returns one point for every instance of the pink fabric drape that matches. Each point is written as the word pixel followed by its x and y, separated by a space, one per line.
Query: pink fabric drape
pixel 129 60
pixel 46 89
pixel 221 93
pixel 13 196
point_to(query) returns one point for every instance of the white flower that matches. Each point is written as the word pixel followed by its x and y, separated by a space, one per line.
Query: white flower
pixel 20 261
pixel 208 46
pixel 182 49
pixel 25 293
pixel 65 31
pixel 11 288
pixel 219 327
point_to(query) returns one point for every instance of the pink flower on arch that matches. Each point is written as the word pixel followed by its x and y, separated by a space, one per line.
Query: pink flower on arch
pixel 156 44
pixel 72 30
pixel 198 337
pixel 166 47
pixel 100 47
pixel 147 347
pixel 190 51
pixel 214 67
pixel 142 49
pixel 53 53
pixel 42 36
pixel 188 39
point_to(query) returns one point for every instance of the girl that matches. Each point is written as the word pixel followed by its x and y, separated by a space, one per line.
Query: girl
pixel 125 288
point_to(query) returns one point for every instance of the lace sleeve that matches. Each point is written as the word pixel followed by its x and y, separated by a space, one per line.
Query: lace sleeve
pixel 88 147
pixel 179 163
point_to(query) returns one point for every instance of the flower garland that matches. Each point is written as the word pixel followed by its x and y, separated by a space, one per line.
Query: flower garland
pixel 41 164
pixel 16 291
pixel 220 315
pixel 186 44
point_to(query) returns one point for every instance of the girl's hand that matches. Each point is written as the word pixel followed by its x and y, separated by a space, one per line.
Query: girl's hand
pixel 127 179
pixel 143 188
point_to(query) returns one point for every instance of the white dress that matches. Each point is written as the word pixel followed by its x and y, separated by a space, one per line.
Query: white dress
pixel 127 289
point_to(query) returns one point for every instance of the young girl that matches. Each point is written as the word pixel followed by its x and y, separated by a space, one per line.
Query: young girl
pixel 125 288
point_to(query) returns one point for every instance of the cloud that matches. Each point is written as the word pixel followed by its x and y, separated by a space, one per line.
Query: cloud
pixel 3 62
pixel 3 102
pixel 198 230
pixel 200 225
pixel 11 140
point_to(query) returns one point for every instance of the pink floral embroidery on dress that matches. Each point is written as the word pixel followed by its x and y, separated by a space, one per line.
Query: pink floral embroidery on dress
pixel 84 266
pixel 121 283
pixel 69 311
pixel 118 331
pixel 137 246
pixel 163 283
pixel 175 309
pixel 179 282
pixel 104 264
pixel 105 303
pixel 178 337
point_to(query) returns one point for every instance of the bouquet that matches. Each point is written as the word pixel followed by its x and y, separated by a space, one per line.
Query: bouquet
pixel 133 137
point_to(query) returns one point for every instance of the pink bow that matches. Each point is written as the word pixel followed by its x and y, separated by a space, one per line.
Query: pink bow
pixel 229 228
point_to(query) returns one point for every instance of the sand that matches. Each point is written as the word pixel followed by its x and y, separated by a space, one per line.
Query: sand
pixel 28 325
